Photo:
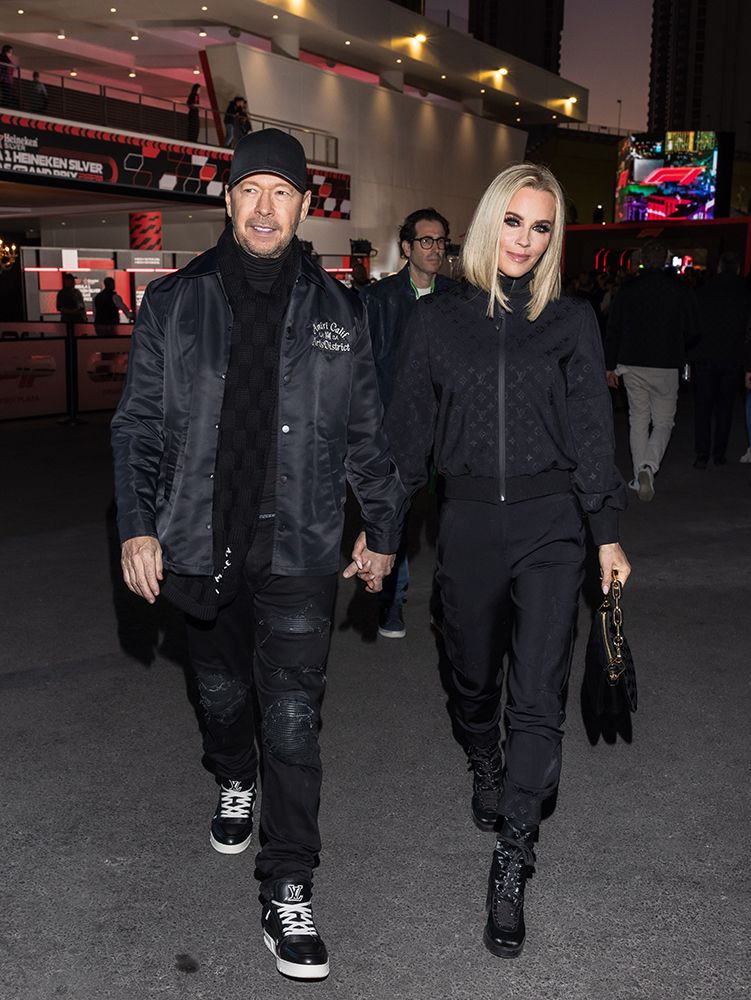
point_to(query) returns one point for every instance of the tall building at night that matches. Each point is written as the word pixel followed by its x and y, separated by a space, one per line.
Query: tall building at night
pixel 700 75
pixel 531 30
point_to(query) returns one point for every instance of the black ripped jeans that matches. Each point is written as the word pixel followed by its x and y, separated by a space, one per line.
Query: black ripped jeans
pixel 273 639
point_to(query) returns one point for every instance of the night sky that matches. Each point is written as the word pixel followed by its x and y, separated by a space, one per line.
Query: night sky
pixel 605 48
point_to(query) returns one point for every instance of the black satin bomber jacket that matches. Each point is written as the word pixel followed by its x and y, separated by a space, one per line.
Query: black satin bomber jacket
pixel 329 423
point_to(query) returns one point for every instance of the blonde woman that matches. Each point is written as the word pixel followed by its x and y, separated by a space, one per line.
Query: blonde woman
pixel 503 382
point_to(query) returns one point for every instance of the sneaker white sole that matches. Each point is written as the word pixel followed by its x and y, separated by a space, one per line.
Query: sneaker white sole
pixel 392 633
pixel 230 848
pixel 292 969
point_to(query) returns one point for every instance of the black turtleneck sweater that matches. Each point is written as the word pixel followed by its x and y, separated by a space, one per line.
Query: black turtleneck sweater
pixel 510 409
pixel 261 273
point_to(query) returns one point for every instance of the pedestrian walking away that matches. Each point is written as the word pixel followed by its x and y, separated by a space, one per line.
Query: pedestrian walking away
pixel 423 237
pixel 107 307
pixel 651 327
pixel 251 399
pixel 503 383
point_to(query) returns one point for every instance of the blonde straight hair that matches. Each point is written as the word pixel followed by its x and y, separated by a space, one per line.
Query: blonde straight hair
pixel 482 243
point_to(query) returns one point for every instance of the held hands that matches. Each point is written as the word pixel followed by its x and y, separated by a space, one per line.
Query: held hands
pixel 613 557
pixel 613 380
pixel 370 567
pixel 141 560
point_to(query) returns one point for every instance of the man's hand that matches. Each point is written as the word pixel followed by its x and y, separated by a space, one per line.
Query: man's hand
pixel 613 380
pixel 613 557
pixel 141 560
pixel 370 567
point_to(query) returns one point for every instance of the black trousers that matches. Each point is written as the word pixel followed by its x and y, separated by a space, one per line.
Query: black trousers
pixel 510 576
pixel 715 387
pixel 272 640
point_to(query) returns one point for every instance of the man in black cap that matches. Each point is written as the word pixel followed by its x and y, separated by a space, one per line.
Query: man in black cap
pixel 251 398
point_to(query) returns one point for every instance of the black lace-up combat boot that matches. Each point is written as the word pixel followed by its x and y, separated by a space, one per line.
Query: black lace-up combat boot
pixel 513 862
pixel 487 765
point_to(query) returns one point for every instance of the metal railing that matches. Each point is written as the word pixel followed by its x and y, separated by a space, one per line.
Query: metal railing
pixel 88 102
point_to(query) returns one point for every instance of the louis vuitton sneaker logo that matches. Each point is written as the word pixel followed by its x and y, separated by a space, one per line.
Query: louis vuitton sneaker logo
pixel 294 894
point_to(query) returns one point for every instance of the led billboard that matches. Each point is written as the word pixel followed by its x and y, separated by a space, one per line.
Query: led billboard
pixel 670 176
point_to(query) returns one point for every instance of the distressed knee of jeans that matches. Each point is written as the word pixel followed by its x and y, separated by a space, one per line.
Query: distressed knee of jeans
pixel 290 731
pixel 300 621
pixel 222 697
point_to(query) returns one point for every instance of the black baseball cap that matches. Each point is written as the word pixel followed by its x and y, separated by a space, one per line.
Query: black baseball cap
pixel 270 151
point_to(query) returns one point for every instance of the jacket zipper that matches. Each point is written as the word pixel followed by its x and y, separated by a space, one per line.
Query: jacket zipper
pixel 501 327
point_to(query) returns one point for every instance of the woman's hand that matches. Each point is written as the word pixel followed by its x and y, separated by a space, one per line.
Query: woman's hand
pixel 613 557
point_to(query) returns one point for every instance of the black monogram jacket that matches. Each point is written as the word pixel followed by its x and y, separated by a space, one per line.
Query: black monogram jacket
pixel 509 409
pixel 166 428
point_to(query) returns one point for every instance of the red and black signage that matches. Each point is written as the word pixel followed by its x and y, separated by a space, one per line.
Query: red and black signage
pixel 45 151
pixel 145 230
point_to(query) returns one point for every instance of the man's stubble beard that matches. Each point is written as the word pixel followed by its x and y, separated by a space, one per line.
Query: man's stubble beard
pixel 270 254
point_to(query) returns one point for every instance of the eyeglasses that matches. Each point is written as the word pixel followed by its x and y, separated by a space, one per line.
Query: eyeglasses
pixel 426 242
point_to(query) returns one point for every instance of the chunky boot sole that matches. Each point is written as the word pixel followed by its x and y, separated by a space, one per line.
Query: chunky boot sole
pixel 230 848
pixel 485 825
pixel 500 950
pixel 293 969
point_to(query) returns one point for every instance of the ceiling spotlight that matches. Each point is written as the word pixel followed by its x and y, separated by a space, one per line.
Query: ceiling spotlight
pixel 103 221
pixel 398 60
pixel 113 10
pixel 20 10
pixel 482 90
pixel 61 35
pixel 503 71
pixel 421 37
pixel 274 17
pixel 134 38
pixel 348 42
pixel 443 76
pixel 132 75
pixel 201 34
pixel 572 100
pixel 74 72
pixel 204 7
pixel 516 104
pixel 196 72
pixel 554 117
pixel 518 119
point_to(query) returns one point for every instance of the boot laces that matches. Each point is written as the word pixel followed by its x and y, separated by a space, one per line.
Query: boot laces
pixel 236 802
pixel 487 767
pixel 296 918
pixel 509 877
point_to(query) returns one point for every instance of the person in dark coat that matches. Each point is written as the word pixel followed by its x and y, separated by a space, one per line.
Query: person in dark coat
pixel 423 238
pixel 717 359
pixel 502 382
pixel 651 326
pixel 193 102
pixel 251 399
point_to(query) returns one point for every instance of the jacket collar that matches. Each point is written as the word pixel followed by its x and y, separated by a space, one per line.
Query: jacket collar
pixel 208 263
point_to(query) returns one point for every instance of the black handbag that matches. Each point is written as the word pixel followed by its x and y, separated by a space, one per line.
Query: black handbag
pixel 609 674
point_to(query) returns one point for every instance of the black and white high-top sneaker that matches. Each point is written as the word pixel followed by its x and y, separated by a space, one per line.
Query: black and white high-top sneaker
pixel 290 934
pixel 232 825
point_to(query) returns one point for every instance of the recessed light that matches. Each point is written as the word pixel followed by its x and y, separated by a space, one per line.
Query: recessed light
pixel 482 91
pixel 103 221
pixel 63 223
pixel 134 38
pixel 503 71
pixel 132 75
pixel 554 117
pixel 572 100
pixel 518 119
pixel 204 7
pixel 348 42
pixel 61 35
pixel 113 10
pixel 190 216
pixel 398 60
pixel 274 17
pixel 421 37
pixel 73 72
pixel 196 72
pixel 20 10
pixel 202 34
pixel 443 76
pixel 516 104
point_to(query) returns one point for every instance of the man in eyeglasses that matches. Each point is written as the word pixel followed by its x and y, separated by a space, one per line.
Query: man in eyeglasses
pixel 423 238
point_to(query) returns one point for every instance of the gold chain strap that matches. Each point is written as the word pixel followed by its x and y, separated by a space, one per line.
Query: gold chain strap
pixel 617 666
